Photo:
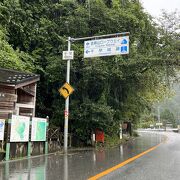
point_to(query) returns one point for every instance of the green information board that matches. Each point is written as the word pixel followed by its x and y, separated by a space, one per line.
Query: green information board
pixel 19 129
pixel 38 130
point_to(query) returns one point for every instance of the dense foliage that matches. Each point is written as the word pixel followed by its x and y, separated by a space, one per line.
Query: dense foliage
pixel 108 90
pixel 168 117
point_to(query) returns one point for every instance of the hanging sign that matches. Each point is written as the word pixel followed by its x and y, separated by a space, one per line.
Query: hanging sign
pixel 106 47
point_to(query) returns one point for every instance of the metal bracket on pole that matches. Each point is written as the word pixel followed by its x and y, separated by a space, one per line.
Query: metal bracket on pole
pixel 100 36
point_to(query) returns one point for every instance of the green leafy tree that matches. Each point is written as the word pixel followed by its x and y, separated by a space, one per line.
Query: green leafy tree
pixel 108 90
pixel 10 58
pixel 168 117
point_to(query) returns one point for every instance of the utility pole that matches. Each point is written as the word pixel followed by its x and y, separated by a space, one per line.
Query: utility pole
pixel 67 101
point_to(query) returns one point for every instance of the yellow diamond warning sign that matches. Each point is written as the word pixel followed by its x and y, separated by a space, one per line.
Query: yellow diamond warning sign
pixel 66 90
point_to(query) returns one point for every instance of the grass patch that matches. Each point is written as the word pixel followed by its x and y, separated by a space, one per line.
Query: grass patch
pixel 114 140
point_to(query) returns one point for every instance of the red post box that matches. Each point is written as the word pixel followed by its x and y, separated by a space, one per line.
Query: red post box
pixel 99 135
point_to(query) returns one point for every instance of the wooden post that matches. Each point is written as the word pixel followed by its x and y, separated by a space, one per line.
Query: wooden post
pixel 46 142
pixel 2 145
pixel 29 142
pixel 70 139
pixel 34 109
pixel 8 137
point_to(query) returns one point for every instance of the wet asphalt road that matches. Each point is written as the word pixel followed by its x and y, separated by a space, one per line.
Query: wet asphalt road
pixel 162 163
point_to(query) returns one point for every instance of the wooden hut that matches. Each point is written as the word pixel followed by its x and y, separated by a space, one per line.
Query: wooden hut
pixel 17 93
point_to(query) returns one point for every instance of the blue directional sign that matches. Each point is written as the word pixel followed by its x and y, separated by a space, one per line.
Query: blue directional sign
pixel 124 49
pixel 106 47
pixel 124 41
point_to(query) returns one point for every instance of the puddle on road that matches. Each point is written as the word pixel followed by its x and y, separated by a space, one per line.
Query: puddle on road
pixel 24 170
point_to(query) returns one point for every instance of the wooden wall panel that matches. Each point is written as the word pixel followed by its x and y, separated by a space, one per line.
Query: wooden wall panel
pixel 25 112
pixel 7 97
pixel 7 89
pixel 6 104
pixel 23 98
pixel 7 100
pixel 3 115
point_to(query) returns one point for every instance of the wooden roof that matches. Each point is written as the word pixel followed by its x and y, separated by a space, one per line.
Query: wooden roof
pixel 16 78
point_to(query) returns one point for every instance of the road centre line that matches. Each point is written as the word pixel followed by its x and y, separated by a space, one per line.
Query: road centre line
pixel 108 171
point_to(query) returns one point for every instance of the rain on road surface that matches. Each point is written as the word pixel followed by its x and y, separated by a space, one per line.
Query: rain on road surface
pixel 161 163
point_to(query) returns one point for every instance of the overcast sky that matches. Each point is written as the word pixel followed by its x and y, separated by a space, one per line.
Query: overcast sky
pixel 154 6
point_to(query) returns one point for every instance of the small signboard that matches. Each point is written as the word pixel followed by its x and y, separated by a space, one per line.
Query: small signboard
pixel 38 130
pixel 106 47
pixel 19 129
pixel 66 90
pixel 2 127
pixel 159 124
pixel 68 55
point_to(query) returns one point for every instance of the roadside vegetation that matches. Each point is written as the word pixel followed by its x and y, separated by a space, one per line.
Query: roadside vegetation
pixel 108 90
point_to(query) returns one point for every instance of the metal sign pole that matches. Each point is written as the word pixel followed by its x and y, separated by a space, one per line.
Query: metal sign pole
pixel 67 55
pixel 67 102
